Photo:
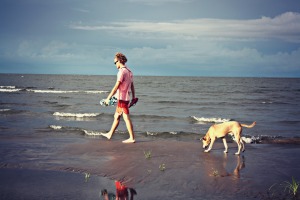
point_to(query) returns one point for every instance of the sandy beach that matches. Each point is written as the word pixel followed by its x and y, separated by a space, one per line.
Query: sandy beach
pixel 176 170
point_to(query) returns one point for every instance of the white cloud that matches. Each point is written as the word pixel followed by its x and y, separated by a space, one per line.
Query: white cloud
pixel 214 57
pixel 158 2
pixel 285 27
pixel 40 51
pixel 56 52
pixel 81 10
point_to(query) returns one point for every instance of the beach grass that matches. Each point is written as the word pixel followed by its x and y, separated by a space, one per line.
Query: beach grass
pixel 215 173
pixel 148 154
pixel 292 187
pixel 87 176
pixel 162 167
pixel 286 189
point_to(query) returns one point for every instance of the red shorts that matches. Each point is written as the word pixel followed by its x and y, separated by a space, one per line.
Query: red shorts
pixel 121 190
pixel 122 107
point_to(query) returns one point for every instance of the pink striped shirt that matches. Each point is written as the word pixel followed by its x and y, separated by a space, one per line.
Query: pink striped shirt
pixel 125 77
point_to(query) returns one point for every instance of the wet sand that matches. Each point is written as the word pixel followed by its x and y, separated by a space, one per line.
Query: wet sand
pixel 176 170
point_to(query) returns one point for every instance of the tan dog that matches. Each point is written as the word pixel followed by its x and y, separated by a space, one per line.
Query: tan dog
pixel 221 130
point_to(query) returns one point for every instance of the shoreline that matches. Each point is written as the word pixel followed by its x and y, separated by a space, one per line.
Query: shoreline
pixel 176 170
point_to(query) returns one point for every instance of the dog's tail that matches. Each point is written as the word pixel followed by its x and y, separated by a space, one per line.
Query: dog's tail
pixel 249 126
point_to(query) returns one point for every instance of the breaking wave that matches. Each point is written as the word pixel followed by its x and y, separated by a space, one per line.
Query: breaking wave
pixel 209 120
pixel 76 115
pixel 184 136
pixel 9 89
pixel 91 133
pixel 65 92
pixel 49 90
pixel 73 129
pixel 4 110
pixel 56 127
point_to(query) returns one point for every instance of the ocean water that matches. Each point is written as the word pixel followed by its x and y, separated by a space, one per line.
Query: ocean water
pixel 44 118
pixel 180 108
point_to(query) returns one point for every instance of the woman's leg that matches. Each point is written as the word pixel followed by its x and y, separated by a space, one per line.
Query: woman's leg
pixel 114 126
pixel 129 126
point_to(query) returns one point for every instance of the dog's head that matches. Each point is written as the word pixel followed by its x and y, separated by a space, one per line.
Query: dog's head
pixel 205 141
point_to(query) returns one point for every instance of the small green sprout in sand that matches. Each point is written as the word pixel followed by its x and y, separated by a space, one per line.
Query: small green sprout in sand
pixel 87 176
pixel 162 167
pixel 292 187
pixel 147 154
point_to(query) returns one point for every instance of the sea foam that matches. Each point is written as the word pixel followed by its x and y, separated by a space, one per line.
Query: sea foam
pixel 9 89
pixel 55 127
pixel 79 115
pixel 92 133
pixel 210 120
pixel 4 110
pixel 65 91
pixel 48 91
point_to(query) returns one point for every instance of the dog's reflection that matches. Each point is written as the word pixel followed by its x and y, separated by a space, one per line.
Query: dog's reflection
pixel 240 164
pixel 224 168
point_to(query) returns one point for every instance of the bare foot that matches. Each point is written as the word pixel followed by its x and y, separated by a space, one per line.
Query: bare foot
pixel 107 135
pixel 129 141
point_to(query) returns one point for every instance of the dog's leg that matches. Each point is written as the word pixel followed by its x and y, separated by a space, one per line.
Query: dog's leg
pixel 225 145
pixel 243 145
pixel 237 140
pixel 210 145
pixel 239 147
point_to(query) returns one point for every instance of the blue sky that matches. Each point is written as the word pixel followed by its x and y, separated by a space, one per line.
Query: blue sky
pixel 256 38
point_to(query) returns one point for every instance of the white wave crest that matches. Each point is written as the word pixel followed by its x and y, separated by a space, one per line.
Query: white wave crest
pixel 51 91
pixel 4 110
pixel 55 127
pixel 65 91
pixel 210 120
pixel 151 133
pixel 77 115
pixel 267 102
pixel 9 90
pixel 96 92
pixel 248 140
pixel 161 133
pixel 92 133
pixel 7 87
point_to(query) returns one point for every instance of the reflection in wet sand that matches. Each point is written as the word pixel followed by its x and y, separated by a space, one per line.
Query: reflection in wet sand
pixel 221 166
pixel 121 193
pixel 240 164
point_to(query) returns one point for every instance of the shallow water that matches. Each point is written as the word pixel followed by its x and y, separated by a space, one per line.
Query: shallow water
pixel 260 173
pixel 167 107
pixel 40 115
